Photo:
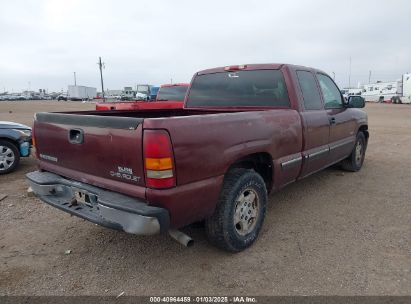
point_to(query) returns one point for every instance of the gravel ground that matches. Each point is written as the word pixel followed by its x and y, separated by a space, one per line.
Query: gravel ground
pixel 333 233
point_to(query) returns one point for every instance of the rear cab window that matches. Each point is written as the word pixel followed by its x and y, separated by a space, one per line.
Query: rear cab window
pixel 309 89
pixel 253 88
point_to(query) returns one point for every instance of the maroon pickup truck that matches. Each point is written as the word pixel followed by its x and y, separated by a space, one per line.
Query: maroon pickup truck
pixel 244 131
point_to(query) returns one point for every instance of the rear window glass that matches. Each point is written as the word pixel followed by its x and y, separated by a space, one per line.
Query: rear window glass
pixel 239 88
pixel 176 93
pixel 311 95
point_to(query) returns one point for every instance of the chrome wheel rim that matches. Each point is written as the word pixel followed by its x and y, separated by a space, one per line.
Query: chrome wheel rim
pixel 358 153
pixel 246 212
pixel 7 158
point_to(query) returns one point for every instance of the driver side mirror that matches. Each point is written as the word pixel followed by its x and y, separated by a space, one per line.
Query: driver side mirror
pixel 355 101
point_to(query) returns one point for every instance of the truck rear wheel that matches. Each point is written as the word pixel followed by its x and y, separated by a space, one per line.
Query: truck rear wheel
pixel 355 160
pixel 9 156
pixel 240 212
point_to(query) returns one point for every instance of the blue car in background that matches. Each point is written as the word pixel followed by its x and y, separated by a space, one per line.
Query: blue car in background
pixel 153 92
pixel 15 142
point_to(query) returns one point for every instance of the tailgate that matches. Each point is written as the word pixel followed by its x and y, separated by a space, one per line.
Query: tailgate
pixel 101 150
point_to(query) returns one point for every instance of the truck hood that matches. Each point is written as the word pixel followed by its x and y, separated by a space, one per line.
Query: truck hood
pixel 13 125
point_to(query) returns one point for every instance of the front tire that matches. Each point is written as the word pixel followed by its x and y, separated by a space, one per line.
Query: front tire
pixel 240 211
pixel 354 162
pixel 9 157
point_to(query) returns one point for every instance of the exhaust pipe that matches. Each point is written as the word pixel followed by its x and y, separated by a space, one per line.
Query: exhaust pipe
pixel 181 237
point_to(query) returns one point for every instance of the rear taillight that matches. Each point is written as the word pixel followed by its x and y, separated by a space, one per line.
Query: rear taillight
pixel 33 142
pixel 158 159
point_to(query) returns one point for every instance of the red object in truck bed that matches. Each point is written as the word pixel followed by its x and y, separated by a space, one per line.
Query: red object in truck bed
pixel 139 105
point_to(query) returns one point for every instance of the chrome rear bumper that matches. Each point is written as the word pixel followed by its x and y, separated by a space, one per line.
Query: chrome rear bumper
pixel 106 208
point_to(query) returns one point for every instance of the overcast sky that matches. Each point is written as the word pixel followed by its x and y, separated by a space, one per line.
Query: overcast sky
pixel 43 42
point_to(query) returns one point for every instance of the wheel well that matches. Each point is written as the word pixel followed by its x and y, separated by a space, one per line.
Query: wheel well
pixel 10 141
pixel 364 129
pixel 261 162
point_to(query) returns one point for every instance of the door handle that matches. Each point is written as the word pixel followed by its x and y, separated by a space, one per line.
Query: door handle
pixel 332 120
pixel 76 136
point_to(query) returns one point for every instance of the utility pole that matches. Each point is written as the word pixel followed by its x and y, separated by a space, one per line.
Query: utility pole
pixel 369 77
pixel 171 80
pixel 349 75
pixel 101 66
pixel 75 80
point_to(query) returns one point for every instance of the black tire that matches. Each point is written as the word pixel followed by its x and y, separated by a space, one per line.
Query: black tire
pixel 221 229
pixel 8 150
pixel 354 162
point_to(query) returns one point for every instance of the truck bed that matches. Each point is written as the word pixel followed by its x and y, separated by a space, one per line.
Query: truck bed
pixel 205 144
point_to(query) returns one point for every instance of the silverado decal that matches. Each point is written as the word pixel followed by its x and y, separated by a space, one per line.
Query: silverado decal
pixel 125 173
pixel 48 157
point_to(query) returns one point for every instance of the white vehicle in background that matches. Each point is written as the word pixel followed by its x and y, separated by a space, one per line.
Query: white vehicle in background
pixel 116 97
pixel 113 94
pixel 404 89
pixel 128 94
pixel 393 91
pixel 351 92
pixel 380 91
pixel 143 91
pixel 82 93
pixel 62 96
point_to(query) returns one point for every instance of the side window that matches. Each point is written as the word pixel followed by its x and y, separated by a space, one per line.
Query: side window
pixel 331 94
pixel 311 95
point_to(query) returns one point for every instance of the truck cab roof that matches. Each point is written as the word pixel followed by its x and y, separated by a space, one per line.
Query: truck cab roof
pixel 259 66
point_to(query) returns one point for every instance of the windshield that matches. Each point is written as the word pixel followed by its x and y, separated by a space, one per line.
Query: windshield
pixel 240 88
pixel 176 93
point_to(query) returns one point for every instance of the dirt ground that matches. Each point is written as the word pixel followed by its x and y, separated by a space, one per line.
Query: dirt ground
pixel 334 233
